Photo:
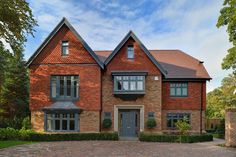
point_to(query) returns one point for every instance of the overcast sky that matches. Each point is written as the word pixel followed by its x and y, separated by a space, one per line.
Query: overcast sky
pixel 188 25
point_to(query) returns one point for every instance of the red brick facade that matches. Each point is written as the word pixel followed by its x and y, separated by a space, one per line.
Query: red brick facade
pixel 191 102
pixel 96 84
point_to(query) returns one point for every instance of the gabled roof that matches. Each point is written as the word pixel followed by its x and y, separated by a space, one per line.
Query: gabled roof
pixel 177 63
pixel 131 34
pixel 64 21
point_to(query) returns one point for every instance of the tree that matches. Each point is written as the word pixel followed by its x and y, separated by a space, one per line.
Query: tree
pixel 228 18
pixel 183 126
pixel 14 89
pixel 16 21
pixel 221 98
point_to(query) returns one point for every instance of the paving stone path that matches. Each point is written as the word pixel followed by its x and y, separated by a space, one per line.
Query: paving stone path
pixel 118 149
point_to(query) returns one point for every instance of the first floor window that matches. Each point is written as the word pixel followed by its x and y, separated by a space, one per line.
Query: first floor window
pixel 64 87
pixel 129 83
pixel 62 122
pixel 172 119
pixel 178 89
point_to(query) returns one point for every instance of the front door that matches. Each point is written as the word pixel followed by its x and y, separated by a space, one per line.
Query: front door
pixel 128 122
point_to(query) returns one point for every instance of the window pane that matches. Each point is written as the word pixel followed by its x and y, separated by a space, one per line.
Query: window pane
pixel 169 123
pixel 64 124
pixel 61 86
pixel 72 125
pixel 75 89
pixel 130 52
pixel 125 85
pixel 151 115
pixel 132 77
pixel 139 77
pixel 140 85
pixel 68 87
pixel 119 85
pixel 54 88
pixel 125 77
pixel 57 115
pixel 184 92
pixel 72 115
pixel 64 115
pixel 57 124
pixel 118 77
pixel 49 125
pixel 65 48
pixel 178 91
pixel 174 122
pixel 172 91
pixel 132 85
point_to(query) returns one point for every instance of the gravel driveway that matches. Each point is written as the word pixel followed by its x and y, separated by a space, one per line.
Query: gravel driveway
pixel 119 149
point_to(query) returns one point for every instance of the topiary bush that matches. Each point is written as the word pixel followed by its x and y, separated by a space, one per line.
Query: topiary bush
pixel 107 123
pixel 151 123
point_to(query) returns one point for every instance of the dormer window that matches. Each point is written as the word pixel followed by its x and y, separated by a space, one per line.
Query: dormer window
pixel 130 52
pixel 65 48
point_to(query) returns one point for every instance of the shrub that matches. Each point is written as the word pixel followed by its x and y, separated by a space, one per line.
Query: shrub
pixel 29 135
pixel 9 134
pixel 151 123
pixel 107 123
pixel 182 126
pixel 26 124
pixel 73 136
pixel 175 138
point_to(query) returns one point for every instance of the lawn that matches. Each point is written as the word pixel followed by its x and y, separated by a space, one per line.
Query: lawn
pixel 5 144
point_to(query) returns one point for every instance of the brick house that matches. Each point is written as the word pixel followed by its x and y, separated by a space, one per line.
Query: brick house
pixel 73 88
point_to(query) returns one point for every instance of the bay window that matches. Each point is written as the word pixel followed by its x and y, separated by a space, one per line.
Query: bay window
pixel 129 83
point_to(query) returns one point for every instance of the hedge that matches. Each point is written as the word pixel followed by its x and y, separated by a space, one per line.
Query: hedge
pixel 28 135
pixel 175 138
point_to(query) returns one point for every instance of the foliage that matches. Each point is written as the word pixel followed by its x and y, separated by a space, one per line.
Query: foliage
pixel 183 126
pixel 221 98
pixel 29 135
pixel 218 135
pixel 6 144
pixel 26 124
pixel 151 123
pixel 16 21
pixel 175 138
pixel 221 128
pixel 13 90
pixel 107 123
pixel 228 18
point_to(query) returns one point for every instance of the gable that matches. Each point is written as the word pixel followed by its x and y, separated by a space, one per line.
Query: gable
pixel 138 44
pixel 141 62
pixel 50 50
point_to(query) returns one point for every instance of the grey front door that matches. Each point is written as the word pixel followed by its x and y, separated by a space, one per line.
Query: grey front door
pixel 127 123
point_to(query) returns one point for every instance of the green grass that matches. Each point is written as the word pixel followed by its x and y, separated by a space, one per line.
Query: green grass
pixel 5 144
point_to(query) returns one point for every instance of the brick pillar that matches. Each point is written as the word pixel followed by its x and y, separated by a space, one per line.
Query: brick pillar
pixel 230 127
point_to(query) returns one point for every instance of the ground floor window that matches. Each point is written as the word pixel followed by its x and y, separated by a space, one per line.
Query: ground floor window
pixel 172 118
pixel 61 122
